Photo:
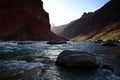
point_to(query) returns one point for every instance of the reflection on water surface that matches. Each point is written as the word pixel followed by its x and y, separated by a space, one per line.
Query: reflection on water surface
pixel 37 52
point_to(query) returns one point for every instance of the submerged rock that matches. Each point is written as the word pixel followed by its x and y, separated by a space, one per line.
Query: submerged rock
pixel 22 70
pixel 110 43
pixel 107 66
pixel 80 59
pixel 25 42
pixel 56 41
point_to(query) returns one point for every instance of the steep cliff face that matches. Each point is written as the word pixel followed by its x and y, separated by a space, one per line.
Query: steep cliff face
pixel 24 20
pixel 92 24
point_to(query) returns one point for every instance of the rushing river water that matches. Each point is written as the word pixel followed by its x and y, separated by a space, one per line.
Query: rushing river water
pixel 18 57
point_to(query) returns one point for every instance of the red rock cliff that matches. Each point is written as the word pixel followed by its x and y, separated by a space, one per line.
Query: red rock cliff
pixel 24 20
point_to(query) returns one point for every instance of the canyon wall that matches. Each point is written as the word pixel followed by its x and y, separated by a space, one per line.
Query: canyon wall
pixel 24 20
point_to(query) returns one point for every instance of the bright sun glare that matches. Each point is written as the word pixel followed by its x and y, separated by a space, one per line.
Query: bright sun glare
pixel 65 11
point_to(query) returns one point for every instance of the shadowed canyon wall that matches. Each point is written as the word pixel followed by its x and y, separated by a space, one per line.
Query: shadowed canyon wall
pixel 24 20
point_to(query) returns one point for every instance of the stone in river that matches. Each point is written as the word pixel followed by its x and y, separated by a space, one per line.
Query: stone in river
pixel 56 41
pixel 68 58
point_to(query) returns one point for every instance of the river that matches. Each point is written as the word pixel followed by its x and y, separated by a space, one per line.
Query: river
pixel 16 57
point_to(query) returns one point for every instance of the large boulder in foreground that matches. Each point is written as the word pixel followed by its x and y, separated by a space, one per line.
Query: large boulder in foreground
pixel 80 59
pixel 24 20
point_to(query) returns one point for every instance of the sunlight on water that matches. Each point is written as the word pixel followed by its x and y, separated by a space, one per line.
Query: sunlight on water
pixel 21 56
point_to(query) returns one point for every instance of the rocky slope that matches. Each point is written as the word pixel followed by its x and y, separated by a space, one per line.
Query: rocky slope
pixel 101 24
pixel 58 29
pixel 24 20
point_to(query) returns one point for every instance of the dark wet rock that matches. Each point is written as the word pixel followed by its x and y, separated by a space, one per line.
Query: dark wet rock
pixel 98 41
pixel 25 42
pixel 110 43
pixel 107 66
pixel 13 69
pixel 81 59
pixel 56 41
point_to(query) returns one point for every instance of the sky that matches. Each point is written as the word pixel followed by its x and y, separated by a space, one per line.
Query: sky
pixel 64 11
